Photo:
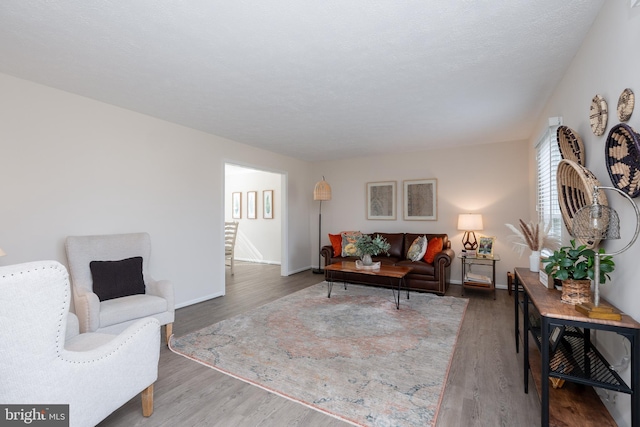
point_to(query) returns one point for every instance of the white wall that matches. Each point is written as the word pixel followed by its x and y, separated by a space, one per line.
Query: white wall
pixel 258 240
pixel 606 64
pixel 74 166
pixel 491 179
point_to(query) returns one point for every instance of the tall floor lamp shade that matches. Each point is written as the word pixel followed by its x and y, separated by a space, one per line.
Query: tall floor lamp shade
pixel 322 192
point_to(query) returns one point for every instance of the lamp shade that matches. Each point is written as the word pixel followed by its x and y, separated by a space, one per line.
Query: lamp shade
pixel 322 190
pixel 470 222
pixel 2 253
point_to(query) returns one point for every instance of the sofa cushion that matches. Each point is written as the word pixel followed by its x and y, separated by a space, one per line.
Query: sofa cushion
pixel 418 268
pixel 349 239
pixel 115 279
pixel 435 245
pixel 396 240
pixel 336 242
pixel 417 249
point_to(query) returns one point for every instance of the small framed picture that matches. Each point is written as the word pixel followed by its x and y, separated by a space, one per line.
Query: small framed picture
pixel 381 200
pixel 267 204
pixel 420 197
pixel 555 336
pixel 236 205
pixel 251 204
pixel 485 247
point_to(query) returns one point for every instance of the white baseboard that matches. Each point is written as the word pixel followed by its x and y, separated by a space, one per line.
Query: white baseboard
pixel 498 285
pixel 197 300
pixel 259 261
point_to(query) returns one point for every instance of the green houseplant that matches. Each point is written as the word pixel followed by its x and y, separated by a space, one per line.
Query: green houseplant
pixel 574 266
pixel 366 246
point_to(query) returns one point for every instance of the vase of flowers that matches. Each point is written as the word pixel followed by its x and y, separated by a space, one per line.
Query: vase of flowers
pixel 535 237
pixel 367 246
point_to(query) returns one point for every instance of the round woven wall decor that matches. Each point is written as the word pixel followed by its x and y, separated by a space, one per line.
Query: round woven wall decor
pixel 598 114
pixel 575 191
pixel 622 151
pixel 570 144
pixel 626 103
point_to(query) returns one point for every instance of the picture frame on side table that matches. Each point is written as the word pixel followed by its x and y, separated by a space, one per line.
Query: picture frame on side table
pixel 485 247
pixel 267 204
pixel 381 200
pixel 236 205
pixel 420 200
pixel 252 197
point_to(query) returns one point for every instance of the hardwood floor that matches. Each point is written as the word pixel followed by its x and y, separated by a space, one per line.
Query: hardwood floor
pixel 484 387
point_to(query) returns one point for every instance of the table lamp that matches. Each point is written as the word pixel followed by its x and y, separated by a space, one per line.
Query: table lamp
pixel 598 222
pixel 469 223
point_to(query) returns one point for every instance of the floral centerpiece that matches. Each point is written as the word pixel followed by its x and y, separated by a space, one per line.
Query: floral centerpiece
pixel 534 236
pixel 367 246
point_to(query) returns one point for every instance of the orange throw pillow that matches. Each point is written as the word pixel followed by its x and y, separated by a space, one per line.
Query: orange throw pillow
pixel 434 246
pixel 336 242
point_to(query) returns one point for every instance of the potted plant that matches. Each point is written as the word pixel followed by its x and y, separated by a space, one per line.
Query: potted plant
pixel 367 246
pixel 574 266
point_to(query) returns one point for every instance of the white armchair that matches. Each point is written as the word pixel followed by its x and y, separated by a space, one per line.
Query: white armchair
pixel 45 360
pixel 115 314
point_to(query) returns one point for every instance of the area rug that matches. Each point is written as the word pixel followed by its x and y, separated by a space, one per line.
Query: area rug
pixel 353 356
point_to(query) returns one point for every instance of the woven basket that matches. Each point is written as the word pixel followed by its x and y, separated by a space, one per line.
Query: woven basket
pixel 575 191
pixel 625 104
pixel 576 291
pixel 570 144
pixel 623 158
pixel 598 114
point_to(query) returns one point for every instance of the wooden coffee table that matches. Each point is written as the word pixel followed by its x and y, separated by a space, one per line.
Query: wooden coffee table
pixel 393 272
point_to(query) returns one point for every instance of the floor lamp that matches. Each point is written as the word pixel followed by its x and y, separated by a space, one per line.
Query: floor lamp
pixel 322 192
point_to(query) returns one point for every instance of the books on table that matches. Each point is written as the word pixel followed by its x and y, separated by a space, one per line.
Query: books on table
pixel 473 277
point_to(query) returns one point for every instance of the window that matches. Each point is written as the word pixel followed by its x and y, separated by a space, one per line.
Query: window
pixel 547 159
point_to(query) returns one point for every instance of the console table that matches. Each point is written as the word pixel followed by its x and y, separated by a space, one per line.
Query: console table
pixel 588 367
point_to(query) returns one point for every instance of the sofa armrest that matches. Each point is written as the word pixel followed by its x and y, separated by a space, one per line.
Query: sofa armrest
pixel 87 306
pixel 444 259
pixel 327 253
pixel 163 289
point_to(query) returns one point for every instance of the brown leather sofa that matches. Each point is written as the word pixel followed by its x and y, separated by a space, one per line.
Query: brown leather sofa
pixel 423 277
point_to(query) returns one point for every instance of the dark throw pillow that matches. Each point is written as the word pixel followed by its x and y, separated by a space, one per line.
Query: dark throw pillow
pixel 115 279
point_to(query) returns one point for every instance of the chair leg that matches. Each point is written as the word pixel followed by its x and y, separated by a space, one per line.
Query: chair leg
pixel 232 262
pixel 147 401
pixel 168 330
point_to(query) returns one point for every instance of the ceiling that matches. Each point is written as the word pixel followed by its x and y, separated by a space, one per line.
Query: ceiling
pixel 311 80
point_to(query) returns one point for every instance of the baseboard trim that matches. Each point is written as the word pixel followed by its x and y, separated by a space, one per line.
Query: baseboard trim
pixel 197 300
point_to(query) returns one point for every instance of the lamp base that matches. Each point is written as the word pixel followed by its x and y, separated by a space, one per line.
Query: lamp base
pixel 598 312
pixel 317 271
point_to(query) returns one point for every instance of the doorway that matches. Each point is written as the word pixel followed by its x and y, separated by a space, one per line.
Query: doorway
pixel 255 198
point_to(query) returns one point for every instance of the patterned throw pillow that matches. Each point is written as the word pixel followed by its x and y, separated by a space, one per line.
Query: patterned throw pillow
pixel 435 245
pixel 349 239
pixel 417 249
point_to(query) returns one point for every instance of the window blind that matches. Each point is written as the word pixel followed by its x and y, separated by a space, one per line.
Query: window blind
pixel 547 159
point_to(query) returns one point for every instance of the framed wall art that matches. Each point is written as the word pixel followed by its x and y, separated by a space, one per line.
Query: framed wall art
pixel 420 200
pixel 236 205
pixel 251 204
pixel 381 200
pixel 267 204
pixel 485 247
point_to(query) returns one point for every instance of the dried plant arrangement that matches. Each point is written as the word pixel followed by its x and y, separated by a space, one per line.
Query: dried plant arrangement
pixel 532 235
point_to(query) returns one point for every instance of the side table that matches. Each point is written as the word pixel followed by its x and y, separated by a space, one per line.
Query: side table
pixel 476 282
